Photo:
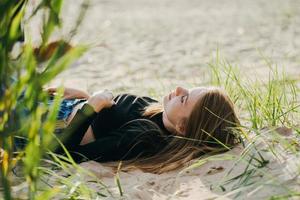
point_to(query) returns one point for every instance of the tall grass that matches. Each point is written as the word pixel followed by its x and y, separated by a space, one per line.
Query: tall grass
pixel 263 103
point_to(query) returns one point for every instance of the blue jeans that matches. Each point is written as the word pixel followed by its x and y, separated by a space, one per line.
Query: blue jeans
pixel 64 111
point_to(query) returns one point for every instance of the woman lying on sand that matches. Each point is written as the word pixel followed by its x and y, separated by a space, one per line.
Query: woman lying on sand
pixel 145 134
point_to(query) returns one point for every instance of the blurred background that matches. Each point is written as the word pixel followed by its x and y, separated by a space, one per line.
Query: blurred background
pixel 142 46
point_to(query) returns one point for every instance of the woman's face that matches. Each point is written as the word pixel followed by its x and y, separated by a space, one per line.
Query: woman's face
pixel 179 103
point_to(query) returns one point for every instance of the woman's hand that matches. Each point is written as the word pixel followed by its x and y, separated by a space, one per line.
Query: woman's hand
pixel 70 93
pixel 100 100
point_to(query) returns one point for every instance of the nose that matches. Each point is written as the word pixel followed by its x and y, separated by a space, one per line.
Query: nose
pixel 180 90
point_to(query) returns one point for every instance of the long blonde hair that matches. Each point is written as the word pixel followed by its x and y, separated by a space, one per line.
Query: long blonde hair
pixel 211 128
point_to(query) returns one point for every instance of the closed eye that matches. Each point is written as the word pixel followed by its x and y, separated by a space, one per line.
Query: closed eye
pixel 182 99
pixel 186 99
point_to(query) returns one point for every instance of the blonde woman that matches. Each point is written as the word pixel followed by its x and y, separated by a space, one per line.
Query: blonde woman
pixel 145 133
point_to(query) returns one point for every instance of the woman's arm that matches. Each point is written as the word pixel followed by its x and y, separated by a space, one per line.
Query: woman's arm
pixel 70 93
pixel 84 116
pixel 125 143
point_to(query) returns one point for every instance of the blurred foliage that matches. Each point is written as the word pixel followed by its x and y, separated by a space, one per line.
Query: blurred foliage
pixel 25 77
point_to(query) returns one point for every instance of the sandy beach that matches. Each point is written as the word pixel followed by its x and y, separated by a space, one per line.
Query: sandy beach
pixel 142 47
pixel 213 178
pixel 139 45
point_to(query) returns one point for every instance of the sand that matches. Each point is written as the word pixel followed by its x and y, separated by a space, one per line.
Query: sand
pixel 216 178
pixel 140 46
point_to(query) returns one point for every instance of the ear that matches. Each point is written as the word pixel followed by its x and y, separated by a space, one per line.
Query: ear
pixel 181 126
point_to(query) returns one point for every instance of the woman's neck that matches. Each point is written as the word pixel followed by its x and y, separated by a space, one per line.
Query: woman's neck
pixel 169 126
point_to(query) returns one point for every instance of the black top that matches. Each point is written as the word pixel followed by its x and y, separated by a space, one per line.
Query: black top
pixel 121 131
